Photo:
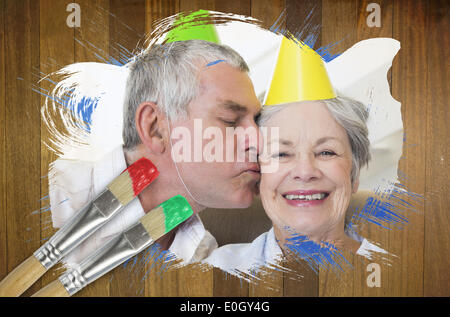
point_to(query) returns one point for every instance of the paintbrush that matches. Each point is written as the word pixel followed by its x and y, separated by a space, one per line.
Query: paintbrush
pixel 121 191
pixel 129 243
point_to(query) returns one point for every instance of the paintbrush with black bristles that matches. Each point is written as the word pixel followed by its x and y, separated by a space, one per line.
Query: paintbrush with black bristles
pixel 119 193
pixel 129 243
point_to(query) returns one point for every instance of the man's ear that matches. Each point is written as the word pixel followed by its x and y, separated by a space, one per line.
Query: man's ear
pixel 150 127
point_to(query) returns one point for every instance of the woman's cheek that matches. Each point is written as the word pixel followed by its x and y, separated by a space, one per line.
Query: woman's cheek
pixel 269 199
pixel 341 199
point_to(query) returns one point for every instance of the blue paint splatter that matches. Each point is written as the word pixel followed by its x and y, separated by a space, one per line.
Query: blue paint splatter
pixel 276 27
pixel 385 208
pixel 85 108
pixel 82 109
pixel 215 62
pixel 381 213
pixel 41 210
pixel 316 255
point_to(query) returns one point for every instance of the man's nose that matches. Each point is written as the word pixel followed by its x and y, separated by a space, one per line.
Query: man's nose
pixel 306 169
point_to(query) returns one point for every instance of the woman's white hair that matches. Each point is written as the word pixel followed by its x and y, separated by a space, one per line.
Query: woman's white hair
pixel 167 75
pixel 352 115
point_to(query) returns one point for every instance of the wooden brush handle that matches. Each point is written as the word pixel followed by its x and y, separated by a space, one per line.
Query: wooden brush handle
pixel 22 277
pixel 54 289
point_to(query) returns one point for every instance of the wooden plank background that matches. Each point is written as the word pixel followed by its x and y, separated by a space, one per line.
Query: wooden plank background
pixel 3 213
pixel 35 40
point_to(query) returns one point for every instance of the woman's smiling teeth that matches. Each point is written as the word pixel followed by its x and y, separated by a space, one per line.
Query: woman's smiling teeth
pixel 306 197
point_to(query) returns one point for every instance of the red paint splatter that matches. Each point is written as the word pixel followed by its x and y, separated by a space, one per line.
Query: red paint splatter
pixel 142 173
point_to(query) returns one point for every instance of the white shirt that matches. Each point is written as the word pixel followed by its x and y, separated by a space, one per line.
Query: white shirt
pixel 264 251
pixel 73 184
pixel 247 257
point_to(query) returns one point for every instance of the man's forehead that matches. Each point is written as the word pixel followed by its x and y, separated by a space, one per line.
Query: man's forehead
pixel 230 88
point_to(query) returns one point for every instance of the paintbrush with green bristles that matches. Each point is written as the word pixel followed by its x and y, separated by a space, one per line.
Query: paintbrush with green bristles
pixel 130 242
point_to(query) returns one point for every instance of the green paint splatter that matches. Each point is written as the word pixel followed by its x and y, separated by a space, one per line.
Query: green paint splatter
pixel 194 26
pixel 176 210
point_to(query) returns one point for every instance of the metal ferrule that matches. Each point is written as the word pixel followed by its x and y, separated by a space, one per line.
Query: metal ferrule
pixel 115 252
pixel 78 228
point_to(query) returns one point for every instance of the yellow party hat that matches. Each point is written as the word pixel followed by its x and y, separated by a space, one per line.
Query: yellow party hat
pixel 299 75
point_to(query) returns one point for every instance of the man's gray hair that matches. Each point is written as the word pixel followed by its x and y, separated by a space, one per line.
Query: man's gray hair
pixel 352 115
pixel 167 75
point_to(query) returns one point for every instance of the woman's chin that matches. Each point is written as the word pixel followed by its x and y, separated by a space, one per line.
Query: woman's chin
pixel 308 229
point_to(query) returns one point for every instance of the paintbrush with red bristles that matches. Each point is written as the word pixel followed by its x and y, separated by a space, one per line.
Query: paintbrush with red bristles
pixel 119 193
pixel 130 242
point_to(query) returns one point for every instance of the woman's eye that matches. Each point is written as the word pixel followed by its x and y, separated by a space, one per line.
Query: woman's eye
pixel 327 153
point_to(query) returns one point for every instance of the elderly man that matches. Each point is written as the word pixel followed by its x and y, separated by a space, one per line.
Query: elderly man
pixel 176 87
pixel 170 87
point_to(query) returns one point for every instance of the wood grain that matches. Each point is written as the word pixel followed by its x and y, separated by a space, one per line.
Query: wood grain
pixel 301 280
pixel 161 282
pixel 350 17
pixel 33 38
pixel 234 6
pixel 339 24
pixel 409 86
pixel 193 5
pixel 386 15
pixel 267 283
pixel 304 20
pixel 92 38
pixel 92 45
pixel 187 277
pixel 437 226
pixel 228 285
pixel 158 9
pixel 126 34
pixel 371 231
pixel 268 11
pixel 56 50
pixel 126 28
pixel 385 30
pixel 22 124
pixel 337 283
pixel 3 154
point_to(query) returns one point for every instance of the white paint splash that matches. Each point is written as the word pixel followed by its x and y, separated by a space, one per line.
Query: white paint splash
pixel 359 73
pixel 101 82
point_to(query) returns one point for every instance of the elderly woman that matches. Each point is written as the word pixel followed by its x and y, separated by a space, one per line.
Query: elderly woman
pixel 320 149
pixel 315 145
pixel 317 154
